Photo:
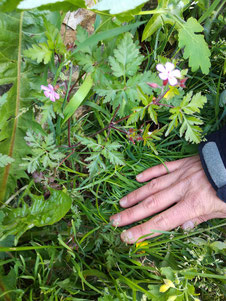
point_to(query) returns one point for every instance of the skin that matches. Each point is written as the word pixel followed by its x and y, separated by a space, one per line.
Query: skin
pixel 185 189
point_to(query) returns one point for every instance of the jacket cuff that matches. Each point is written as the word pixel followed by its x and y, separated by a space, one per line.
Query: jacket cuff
pixel 213 157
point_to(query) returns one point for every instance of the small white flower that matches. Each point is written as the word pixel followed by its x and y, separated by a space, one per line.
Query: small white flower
pixel 169 73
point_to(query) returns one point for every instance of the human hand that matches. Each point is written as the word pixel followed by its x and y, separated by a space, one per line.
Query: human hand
pixel 186 186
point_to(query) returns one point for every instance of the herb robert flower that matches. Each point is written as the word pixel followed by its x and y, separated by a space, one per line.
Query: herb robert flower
pixel 168 73
pixel 50 93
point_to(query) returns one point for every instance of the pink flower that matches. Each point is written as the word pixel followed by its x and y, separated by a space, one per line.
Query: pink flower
pixel 168 73
pixel 50 93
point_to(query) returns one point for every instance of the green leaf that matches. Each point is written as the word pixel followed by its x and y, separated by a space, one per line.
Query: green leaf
pixel 152 112
pixel 40 52
pixel 8 285
pixel 78 98
pixel 138 114
pixel 195 47
pixel 5 160
pixel 40 213
pixel 66 5
pixel 127 58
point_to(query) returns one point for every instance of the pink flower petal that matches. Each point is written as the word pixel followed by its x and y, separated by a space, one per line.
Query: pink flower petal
pixel 176 73
pixel 169 66
pixel 163 76
pixel 52 98
pixel 47 94
pixel 50 87
pixel 160 68
pixel 56 95
pixel 172 80
pixel 44 88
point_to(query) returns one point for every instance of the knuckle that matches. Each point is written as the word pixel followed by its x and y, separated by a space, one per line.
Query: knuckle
pixel 153 185
pixel 161 222
pixel 150 203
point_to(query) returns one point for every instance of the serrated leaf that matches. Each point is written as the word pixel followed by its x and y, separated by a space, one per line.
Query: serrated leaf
pixel 41 213
pixel 96 163
pixel 192 132
pixel 196 103
pixel 152 112
pixel 138 114
pixel 195 47
pixel 39 53
pixel 127 58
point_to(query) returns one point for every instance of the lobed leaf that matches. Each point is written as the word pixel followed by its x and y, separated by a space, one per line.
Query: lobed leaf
pixel 195 47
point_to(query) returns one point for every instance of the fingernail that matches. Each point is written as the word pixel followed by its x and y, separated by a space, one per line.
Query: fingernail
pixel 188 225
pixel 115 219
pixel 138 177
pixel 127 236
pixel 123 201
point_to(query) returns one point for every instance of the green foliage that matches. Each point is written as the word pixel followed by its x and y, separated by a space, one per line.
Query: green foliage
pixel 40 213
pixel 189 39
pixel 189 105
pixel 44 152
pixel 45 51
pixel 101 150
pixel 40 52
pixel 78 255
pixel 121 87
pixel 127 59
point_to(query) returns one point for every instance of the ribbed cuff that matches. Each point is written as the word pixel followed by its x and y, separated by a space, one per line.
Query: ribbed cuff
pixel 213 157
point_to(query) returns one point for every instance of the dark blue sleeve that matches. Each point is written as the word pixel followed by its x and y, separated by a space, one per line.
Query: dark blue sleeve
pixel 213 157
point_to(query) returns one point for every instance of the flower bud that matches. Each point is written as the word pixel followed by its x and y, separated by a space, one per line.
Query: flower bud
pixel 153 85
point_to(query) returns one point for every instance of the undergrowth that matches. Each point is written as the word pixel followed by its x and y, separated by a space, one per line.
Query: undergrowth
pixel 79 122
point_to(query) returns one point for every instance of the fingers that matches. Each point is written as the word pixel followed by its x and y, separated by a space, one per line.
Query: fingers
pixel 150 205
pixel 165 221
pixel 149 189
pixel 160 170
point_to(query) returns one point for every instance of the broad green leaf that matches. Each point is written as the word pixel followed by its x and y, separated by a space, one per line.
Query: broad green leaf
pixel 64 5
pixel 195 47
pixel 8 285
pixel 40 213
pixel 78 97
pixel 127 58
